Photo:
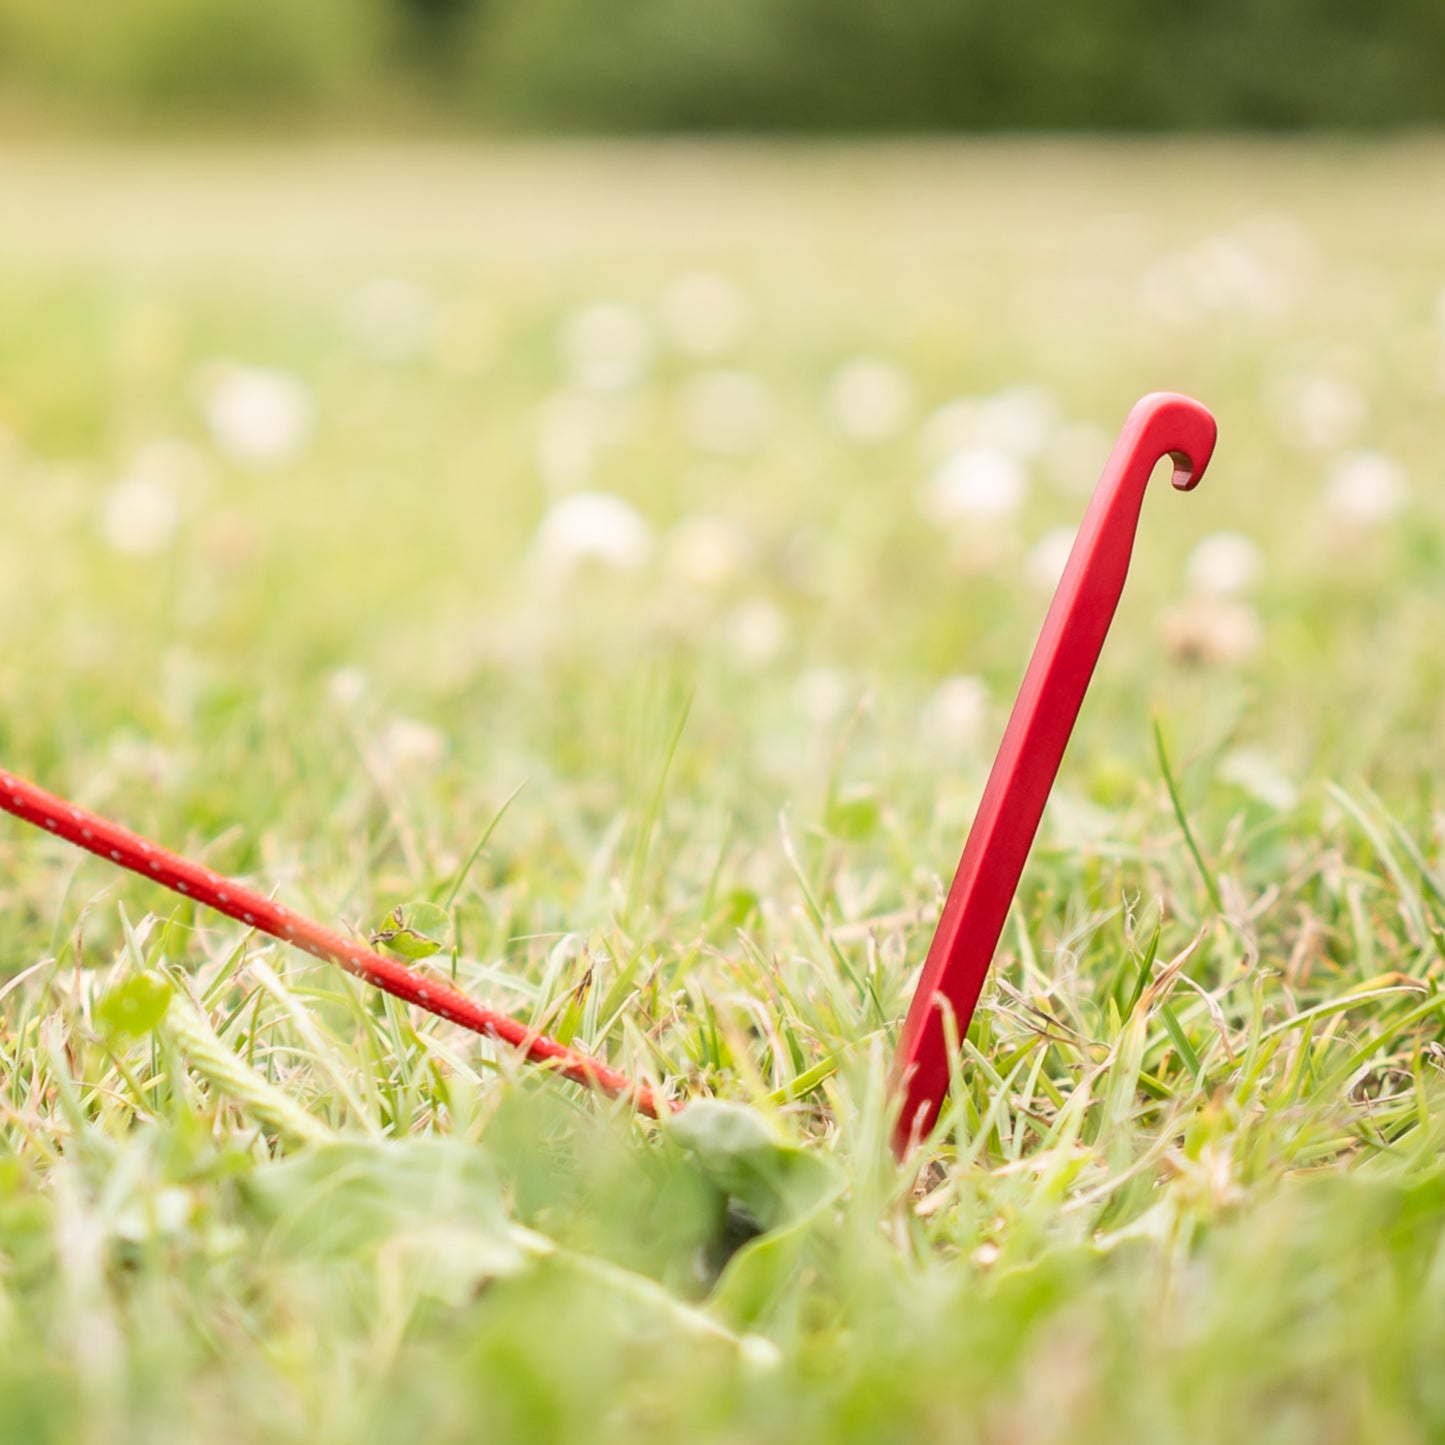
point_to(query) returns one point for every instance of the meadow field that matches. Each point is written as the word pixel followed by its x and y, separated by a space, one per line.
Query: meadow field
pixel 632 552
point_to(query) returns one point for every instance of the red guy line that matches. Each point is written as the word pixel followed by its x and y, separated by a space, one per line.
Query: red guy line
pixel 118 845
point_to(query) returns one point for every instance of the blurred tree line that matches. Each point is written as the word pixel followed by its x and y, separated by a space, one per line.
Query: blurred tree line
pixel 768 65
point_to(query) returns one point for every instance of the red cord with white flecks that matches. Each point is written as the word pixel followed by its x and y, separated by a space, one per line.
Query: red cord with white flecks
pixel 118 845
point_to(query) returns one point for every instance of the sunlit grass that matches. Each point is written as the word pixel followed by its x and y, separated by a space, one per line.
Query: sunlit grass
pixel 294 575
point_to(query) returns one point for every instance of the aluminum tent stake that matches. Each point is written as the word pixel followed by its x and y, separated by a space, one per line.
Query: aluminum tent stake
pixel 1162 424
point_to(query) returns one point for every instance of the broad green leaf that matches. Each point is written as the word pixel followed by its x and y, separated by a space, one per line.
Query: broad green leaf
pixel 739 906
pixel 433 1200
pixel 414 930
pixel 745 1156
pixel 854 816
pixel 784 1187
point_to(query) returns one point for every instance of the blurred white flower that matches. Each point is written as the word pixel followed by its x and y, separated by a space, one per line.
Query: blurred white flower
pixel 1231 273
pixel 1224 563
pixel 1251 271
pixel 259 416
pixel 950 428
pixel 606 346
pixel 346 687
pixel 1166 292
pixel 1320 413
pixel 1020 421
pixel 390 319
pixel 1047 558
pixel 709 552
pixel 1206 629
pixel 822 694
pixel 955 716
pixel 704 313
pixel 573 429
pixel 1259 775
pixel 801 560
pixel 1366 488
pixel 1285 246
pixel 135 757
pixel 730 413
pixel 140 517
pixel 178 467
pixel 592 527
pixel 161 1214
pixel 1076 457
pixel 757 631
pixel 869 400
pixel 982 483
pixel 409 746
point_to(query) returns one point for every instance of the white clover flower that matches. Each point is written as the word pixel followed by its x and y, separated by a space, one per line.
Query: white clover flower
pixel 955 717
pixel 606 346
pixel 728 413
pixel 1258 774
pixel 1365 489
pixel 704 313
pixel 409 746
pixel 980 484
pixel 259 416
pixel 178 467
pixel 136 757
pixel 1223 564
pixel 950 428
pixel 757 631
pixel 1047 558
pixel 390 319
pixel 707 552
pixel 1212 630
pixel 1076 457
pixel 592 528
pixel 161 1214
pixel 822 694
pixel 1251 271
pixel 1166 292
pixel 1020 421
pixel 140 517
pixel 346 687
pixel 869 400
pixel 1230 274
pixel 1286 249
pixel 1320 413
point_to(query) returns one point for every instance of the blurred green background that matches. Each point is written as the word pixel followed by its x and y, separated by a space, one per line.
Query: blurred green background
pixel 750 65
pixel 384 469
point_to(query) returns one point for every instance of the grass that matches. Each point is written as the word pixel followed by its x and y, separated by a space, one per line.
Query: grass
pixel 1189 1187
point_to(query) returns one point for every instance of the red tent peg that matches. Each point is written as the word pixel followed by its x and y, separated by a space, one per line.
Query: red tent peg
pixel 993 858
pixel 1162 424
